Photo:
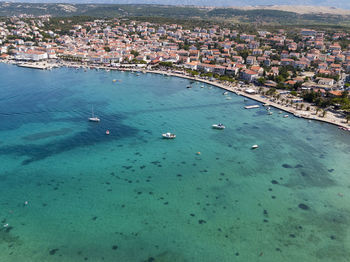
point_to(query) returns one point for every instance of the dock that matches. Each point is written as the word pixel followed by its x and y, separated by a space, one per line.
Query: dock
pixel 35 66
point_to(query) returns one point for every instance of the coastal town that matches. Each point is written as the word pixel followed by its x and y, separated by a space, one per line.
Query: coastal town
pixel 303 71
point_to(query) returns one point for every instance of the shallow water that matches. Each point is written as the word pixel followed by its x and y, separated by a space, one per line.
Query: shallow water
pixel 132 196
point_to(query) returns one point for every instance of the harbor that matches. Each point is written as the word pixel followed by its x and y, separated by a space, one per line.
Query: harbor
pixel 330 118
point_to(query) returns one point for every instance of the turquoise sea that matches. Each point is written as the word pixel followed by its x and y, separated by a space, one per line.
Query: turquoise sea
pixel 133 196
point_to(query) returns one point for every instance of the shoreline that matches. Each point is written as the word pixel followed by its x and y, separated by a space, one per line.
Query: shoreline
pixel 300 114
pixel 330 118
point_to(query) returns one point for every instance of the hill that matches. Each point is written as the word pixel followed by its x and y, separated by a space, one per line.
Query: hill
pixel 258 15
pixel 217 3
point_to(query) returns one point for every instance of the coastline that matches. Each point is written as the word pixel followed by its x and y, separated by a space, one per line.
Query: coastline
pixel 330 118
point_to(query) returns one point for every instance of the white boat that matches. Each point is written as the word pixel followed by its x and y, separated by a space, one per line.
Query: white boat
pixel 202 86
pixel 255 146
pixel 251 107
pixel 269 113
pixel 218 126
pixel 93 118
pixel 225 93
pixel 189 86
pixel 285 116
pixel 228 98
pixel 168 135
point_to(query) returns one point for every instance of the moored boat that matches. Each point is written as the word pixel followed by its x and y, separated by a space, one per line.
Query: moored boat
pixel 93 118
pixel 168 135
pixel 218 126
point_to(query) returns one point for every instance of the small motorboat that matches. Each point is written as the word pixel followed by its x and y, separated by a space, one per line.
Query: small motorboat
pixel 285 116
pixel 218 126
pixel 225 93
pixel 107 132
pixel 269 113
pixel 114 80
pixel 168 135
pixel 255 146
pixel 202 86
pixel 228 98
pixel 189 86
pixel 280 112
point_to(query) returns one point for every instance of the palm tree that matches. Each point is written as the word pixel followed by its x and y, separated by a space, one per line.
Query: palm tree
pixel 347 117
pixel 317 110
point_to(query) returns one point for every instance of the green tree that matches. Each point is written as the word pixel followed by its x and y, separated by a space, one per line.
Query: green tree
pixel 261 81
pixel 135 53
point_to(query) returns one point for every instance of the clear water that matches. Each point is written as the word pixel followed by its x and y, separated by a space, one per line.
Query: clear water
pixel 132 196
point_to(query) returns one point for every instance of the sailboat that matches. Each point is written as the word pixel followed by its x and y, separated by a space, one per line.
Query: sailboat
pixel 93 118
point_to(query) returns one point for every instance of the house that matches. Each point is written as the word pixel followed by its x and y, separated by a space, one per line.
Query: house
pixel 191 65
pixel 251 60
pixel 249 75
pixel 31 55
pixel 325 81
pixel 300 65
pixel 257 69
pixel 287 62
pixel 336 93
